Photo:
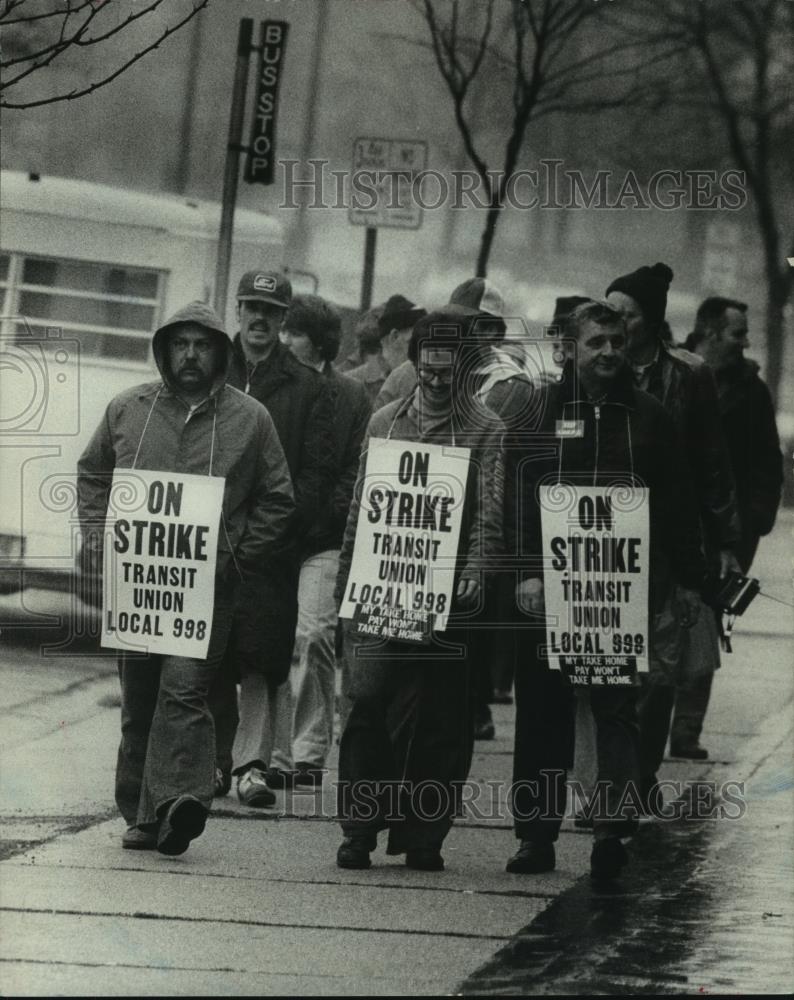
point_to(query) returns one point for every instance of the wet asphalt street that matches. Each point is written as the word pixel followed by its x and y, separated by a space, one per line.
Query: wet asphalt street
pixel 706 907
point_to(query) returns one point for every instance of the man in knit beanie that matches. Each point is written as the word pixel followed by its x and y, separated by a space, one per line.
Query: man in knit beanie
pixel 642 298
pixel 685 387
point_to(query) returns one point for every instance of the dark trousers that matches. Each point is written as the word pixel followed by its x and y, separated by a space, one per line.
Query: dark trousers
pixel 544 744
pixel 504 636
pixel 407 747
pixel 167 744
pixel 261 642
pixel 226 715
pixel 692 698
pixel 655 709
pixel 691 705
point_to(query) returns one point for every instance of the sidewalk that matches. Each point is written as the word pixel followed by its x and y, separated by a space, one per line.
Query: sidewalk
pixel 257 905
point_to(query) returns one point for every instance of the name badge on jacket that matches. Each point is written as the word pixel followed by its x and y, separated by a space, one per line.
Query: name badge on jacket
pixel 570 428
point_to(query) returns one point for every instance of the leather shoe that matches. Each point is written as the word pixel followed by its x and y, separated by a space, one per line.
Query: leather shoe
pixel 425 859
pixel 135 839
pixel 354 851
pixel 583 821
pixel 694 752
pixel 183 822
pixel 608 859
pixel 532 858
pixel 278 779
pixel 223 783
pixel 484 730
pixel 308 775
pixel 253 790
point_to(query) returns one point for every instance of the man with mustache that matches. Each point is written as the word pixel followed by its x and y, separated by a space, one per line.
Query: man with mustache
pixel 263 636
pixel 190 421
pixel 748 420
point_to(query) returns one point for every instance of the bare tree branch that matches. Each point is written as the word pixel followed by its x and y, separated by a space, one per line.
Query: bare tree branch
pixel 120 27
pixel 198 5
pixel 11 5
pixel 57 11
pixel 54 48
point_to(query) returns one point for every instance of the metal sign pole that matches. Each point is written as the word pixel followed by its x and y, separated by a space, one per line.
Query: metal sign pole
pixel 232 168
pixel 368 276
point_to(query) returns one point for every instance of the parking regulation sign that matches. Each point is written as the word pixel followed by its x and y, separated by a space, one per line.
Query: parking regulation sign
pixel 383 178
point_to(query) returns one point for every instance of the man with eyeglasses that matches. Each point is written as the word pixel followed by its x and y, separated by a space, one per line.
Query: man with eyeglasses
pixel 411 723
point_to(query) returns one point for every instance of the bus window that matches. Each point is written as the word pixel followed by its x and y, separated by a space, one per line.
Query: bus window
pixel 110 309
pixel 4 265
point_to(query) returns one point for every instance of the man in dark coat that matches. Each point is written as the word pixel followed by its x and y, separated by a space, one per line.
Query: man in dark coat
pixel 684 385
pixel 748 420
pixel 260 648
pixel 593 428
pixel 306 701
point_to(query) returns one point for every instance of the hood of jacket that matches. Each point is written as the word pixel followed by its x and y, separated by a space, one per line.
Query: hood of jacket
pixel 201 315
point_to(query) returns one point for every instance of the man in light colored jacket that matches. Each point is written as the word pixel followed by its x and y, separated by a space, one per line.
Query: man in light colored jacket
pixel 190 421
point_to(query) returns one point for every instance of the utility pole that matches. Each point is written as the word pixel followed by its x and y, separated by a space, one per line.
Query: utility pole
pixel 185 145
pixel 299 239
pixel 232 169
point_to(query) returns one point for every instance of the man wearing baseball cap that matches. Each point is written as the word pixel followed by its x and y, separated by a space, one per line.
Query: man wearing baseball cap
pixel 260 648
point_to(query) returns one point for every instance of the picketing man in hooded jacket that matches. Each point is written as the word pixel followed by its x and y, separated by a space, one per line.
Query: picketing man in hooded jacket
pixel 407 746
pixel 263 634
pixel 191 421
pixel 593 428
pixel 305 714
pixel 684 385
pixel 748 421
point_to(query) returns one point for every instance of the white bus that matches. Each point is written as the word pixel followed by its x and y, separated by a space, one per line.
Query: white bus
pixel 87 273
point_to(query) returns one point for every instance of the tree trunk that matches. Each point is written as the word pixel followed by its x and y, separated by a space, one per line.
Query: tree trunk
pixel 486 241
pixel 778 291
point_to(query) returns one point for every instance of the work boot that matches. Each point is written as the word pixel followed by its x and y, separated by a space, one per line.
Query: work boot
pixel 532 858
pixel 135 839
pixel 692 751
pixel 609 857
pixel 354 850
pixel 183 822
